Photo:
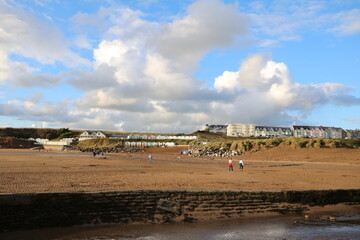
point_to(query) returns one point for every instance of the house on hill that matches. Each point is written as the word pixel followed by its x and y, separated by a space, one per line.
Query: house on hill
pixel 216 128
pixel 333 132
pixel 351 134
pixel 272 132
pixel 301 131
pixel 317 132
pixel 92 135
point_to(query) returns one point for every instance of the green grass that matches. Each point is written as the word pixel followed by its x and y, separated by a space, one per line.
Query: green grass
pixel 242 144
pixel 292 142
pixel 99 143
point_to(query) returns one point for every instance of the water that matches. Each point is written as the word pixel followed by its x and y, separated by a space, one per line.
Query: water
pixel 289 227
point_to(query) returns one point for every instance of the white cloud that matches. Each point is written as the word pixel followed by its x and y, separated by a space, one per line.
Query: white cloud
pixel 142 76
pixel 156 62
pixel 25 35
pixel 28 37
pixel 264 89
pixel 20 74
pixel 209 24
pixel 40 125
pixel 348 22
pixel 287 21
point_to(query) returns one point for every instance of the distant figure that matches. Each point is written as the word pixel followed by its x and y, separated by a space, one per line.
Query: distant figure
pixel 231 165
pixel 94 153
pixel 241 164
pixel 150 157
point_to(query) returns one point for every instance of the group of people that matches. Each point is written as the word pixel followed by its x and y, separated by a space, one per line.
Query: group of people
pixel 231 167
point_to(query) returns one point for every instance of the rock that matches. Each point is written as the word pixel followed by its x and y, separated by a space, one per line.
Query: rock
pixel 212 152
pixel 106 150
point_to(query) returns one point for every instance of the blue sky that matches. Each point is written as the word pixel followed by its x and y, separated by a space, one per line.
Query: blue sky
pixel 174 66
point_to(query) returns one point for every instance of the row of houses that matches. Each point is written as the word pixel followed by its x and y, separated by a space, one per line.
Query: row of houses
pixel 99 134
pixel 150 144
pixel 251 130
pixel 62 142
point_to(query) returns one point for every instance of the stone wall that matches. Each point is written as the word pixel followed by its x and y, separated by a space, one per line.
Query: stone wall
pixel 31 211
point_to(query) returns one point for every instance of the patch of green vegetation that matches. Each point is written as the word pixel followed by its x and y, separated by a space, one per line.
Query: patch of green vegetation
pixel 293 142
pixel 100 143
pixel 60 134
pixel 48 133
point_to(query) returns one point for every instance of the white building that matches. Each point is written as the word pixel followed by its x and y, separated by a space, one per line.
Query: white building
pixel 92 135
pixel 240 130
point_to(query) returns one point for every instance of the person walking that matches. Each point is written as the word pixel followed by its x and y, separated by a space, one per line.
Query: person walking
pixel 150 157
pixel 231 165
pixel 241 164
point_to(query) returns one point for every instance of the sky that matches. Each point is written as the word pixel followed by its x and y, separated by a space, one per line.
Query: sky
pixel 172 66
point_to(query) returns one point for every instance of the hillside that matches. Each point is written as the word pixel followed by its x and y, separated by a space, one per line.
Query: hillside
pixel 12 142
pixel 49 133
pixel 247 145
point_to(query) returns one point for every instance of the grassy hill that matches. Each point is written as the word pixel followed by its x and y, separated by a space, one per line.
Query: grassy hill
pixel 246 145
pixel 49 133
pixel 214 140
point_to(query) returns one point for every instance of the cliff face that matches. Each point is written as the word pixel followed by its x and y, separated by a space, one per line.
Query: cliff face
pixel 12 142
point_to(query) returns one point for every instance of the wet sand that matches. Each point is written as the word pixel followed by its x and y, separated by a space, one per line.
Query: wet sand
pixel 269 170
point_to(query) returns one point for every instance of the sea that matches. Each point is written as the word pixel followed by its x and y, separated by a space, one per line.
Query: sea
pixel 283 227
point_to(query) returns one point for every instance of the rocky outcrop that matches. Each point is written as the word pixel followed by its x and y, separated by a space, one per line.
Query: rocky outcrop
pixel 13 142
pixel 212 152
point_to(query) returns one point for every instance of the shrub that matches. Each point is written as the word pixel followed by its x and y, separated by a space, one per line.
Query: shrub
pixel 301 142
pixel 276 141
pixel 350 143
pixel 247 145
pixel 310 143
pixel 319 143
pixel 234 146
pixel 289 141
pixel 256 145
pixel 214 144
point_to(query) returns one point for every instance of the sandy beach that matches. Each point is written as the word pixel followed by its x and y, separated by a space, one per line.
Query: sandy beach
pixel 275 169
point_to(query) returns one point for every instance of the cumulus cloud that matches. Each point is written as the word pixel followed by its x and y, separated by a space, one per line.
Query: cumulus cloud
pixel 264 89
pixel 145 62
pixel 28 37
pixel 20 74
pixel 24 34
pixel 209 24
pixel 142 73
pixel 261 92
